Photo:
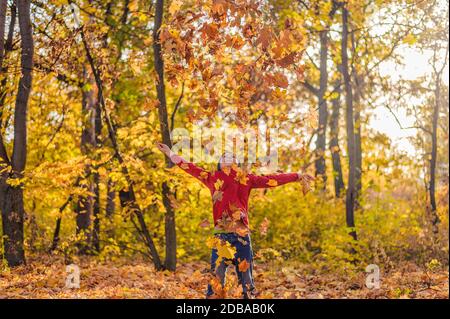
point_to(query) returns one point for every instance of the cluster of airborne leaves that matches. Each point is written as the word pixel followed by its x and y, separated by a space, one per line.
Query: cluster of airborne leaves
pixel 231 54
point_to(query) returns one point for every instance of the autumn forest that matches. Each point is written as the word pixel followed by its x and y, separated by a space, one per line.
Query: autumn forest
pixel 350 95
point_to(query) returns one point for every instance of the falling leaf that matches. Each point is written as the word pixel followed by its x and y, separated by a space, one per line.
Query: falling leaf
pixel 204 175
pixel 218 184
pixel 217 196
pixel 241 177
pixel 184 166
pixel 175 5
pixel 241 229
pixel 264 226
pixel 225 250
pixel 272 183
pixel 236 215
pixel 226 170
pixel 305 183
pixel 244 265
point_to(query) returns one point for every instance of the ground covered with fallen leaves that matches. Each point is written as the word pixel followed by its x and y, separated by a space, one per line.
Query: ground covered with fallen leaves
pixel 45 277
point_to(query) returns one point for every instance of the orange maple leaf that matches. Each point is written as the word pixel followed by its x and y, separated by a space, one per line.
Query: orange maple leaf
pixel 244 265
pixel 272 183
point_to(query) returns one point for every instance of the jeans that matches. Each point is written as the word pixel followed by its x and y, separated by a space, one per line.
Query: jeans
pixel 243 251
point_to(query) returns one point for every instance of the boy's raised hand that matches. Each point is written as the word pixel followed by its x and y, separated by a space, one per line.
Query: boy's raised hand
pixel 305 180
pixel 163 148
pixel 306 177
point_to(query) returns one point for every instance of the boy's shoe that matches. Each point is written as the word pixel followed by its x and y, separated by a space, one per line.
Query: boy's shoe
pixel 254 293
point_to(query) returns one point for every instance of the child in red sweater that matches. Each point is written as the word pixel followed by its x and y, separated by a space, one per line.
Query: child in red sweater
pixel 230 189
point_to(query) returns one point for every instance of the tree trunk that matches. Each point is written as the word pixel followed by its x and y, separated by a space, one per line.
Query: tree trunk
pixel 110 196
pixel 433 160
pixel 358 97
pixel 110 207
pixel 170 231
pixel 323 111
pixel 334 143
pixel 96 181
pixel 85 206
pixel 351 148
pixel 359 87
pixel 4 160
pixel 13 208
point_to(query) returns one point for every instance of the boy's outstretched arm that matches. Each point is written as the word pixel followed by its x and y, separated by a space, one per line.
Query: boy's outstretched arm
pixel 192 169
pixel 266 181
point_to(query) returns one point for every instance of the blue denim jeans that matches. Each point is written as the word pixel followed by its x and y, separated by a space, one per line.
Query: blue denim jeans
pixel 243 251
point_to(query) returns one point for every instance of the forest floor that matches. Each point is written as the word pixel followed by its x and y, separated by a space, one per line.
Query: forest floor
pixel 45 277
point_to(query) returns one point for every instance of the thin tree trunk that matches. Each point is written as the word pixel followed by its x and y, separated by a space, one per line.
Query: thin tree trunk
pixel 358 97
pixel 334 142
pixel 323 110
pixel 434 151
pixel 110 196
pixel 433 160
pixel 96 181
pixel 358 148
pixel 57 230
pixel 13 208
pixel 170 231
pixel 110 207
pixel 85 206
pixel 350 196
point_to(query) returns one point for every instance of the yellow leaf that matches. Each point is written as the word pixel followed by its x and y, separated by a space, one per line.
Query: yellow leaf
pixel 218 184
pixel 241 177
pixel 236 215
pixel 175 6
pixel 204 175
pixel 225 251
pixel 272 183
pixel 409 39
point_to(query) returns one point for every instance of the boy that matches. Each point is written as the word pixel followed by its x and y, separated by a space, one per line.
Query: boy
pixel 230 189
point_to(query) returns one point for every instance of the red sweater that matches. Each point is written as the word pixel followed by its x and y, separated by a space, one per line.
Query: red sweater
pixel 230 189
